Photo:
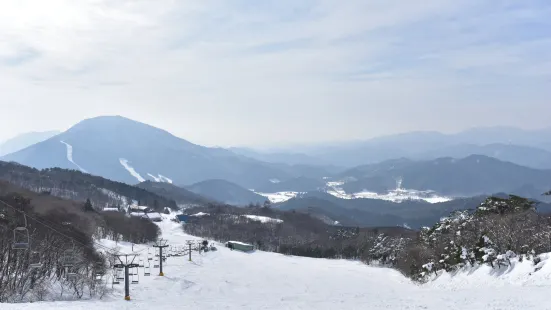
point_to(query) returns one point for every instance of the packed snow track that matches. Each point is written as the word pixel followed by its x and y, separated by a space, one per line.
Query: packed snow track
pixel 228 279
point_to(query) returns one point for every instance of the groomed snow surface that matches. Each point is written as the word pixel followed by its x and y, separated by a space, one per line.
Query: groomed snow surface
pixel 70 156
pixel 125 163
pixel 228 279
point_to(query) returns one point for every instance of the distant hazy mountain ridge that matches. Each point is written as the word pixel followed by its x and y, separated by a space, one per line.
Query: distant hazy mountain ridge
pixel 25 140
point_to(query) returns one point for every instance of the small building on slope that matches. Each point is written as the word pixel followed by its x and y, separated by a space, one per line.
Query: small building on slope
pixel 241 246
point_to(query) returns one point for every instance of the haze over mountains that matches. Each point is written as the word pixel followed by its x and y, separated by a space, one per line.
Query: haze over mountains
pixel 416 169
pixel 524 147
pixel 25 140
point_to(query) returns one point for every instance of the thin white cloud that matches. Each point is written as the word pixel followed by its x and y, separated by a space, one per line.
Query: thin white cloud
pixel 224 72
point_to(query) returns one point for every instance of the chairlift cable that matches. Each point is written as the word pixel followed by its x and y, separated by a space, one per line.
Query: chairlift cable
pixel 57 231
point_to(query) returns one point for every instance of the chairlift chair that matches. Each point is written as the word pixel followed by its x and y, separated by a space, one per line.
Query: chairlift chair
pixel 100 271
pixel 147 270
pixel 116 276
pixel 35 260
pixel 71 273
pixel 156 263
pixel 68 259
pixel 119 274
pixel 24 240
pixel 135 277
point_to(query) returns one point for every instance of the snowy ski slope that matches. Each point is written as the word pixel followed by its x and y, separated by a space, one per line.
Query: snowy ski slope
pixel 233 280
pixel 70 156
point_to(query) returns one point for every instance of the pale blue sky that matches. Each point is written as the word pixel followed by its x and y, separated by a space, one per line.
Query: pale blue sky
pixel 272 72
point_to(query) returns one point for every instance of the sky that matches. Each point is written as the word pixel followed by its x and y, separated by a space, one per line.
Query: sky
pixel 258 73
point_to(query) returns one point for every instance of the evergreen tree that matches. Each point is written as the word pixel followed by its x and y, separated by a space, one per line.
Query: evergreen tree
pixel 88 206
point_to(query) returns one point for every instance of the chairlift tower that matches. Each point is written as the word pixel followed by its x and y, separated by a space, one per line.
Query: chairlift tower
pixel 161 244
pixel 126 261
pixel 189 242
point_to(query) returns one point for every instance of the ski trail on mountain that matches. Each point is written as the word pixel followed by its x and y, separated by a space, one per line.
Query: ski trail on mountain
pixel 130 169
pixel 165 179
pixel 70 156
pixel 156 179
pixel 160 178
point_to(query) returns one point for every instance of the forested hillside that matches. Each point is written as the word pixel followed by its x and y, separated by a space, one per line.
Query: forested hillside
pixel 75 185
pixel 47 245
pixel 466 177
pixel 180 195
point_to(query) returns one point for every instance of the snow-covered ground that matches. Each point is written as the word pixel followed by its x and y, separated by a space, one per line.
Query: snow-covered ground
pixel 263 219
pixel 160 178
pixel 165 179
pixel 396 195
pixel 279 196
pixel 200 214
pixel 70 156
pixel 124 162
pixel 228 279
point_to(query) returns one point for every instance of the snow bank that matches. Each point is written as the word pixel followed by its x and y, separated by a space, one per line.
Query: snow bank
pixel 524 273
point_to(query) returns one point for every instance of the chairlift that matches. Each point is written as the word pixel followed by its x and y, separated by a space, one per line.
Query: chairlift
pixel 71 273
pixel 135 276
pixel 140 264
pixel 116 279
pixel 68 258
pixel 35 260
pixel 99 271
pixel 23 241
pixel 119 274
pixel 147 270
pixel 156 263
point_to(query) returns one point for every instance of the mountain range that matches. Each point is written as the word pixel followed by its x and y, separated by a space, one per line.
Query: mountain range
pixel 482 161
pixel 376 212
pixel 132 152
pixel 25 140
pixel 531 148
pixel 470 176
